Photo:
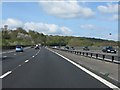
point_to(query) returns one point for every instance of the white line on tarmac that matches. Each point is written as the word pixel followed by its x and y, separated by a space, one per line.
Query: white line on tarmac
pixel 107 83
pixel 4 56
pixel 27 61
pixel 4 75
pixel 19 65
pixel 33 56
pixel 9 72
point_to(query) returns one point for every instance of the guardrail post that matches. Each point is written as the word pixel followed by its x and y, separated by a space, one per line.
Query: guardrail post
pixel 80 53
pixel 112 58
pixel 96 55
pixel 91 54
pixel 86 54
pixel 83 53
pixel 103 57
pixel 76 52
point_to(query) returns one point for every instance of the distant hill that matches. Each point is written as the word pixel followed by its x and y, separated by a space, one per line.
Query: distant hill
pixel 21 36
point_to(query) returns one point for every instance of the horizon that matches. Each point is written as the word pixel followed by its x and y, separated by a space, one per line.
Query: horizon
pixel 62 35
pixel 84 19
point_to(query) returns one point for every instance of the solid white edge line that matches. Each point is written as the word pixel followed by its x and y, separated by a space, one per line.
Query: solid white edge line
pixel 89 72
pixel 4 75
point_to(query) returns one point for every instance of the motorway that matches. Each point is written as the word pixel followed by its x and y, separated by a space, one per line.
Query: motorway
pixel 44 69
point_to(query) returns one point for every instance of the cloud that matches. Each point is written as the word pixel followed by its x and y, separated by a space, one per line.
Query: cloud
pixel 40 27
pixel 12 23
pixel 47 28
pixel 88 27
pixel 110 8
pixel 115 17
pixel 67 9
pixel 93 27
pixel 65 30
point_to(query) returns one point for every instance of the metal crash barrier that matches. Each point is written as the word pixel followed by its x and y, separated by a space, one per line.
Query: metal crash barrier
pixel 101 56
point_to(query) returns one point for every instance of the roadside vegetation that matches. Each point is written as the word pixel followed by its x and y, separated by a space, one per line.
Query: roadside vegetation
pixel 21 36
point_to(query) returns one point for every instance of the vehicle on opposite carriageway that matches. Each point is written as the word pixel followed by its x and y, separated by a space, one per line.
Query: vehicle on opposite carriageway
pixel 109 49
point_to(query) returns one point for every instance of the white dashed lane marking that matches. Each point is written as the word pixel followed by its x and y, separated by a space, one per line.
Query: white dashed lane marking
pixel 9 72
pixel 4 56
pixel 19 65
pixel 33 56
pixel 4 75
pixel 27 61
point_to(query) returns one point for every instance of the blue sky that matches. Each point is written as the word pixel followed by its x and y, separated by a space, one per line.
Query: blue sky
pixel 88 19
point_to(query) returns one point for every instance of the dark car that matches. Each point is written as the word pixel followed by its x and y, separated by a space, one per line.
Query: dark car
pixel 72 48
pixel 37 47
pixel 19 48
pixel 86 48
pixel 32 46
pixel 66 47
pixel 109 49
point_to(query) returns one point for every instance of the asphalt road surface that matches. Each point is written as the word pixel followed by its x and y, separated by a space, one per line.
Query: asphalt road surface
pixel 43 69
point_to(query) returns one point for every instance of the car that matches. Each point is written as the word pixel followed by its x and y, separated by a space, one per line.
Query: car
pixel 72 48
pixel 19 48
pixel 66 47
pixel 32 46
pixel 109 49
pixel 37 47
pixel 86 48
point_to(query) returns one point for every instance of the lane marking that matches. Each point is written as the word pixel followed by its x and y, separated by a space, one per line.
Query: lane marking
pixel 9 72
pixel 14 53
pixel 4 75
pixel 27 61
pixel 4 56
pixel 19 65
pixel 33 56
pixel 107 83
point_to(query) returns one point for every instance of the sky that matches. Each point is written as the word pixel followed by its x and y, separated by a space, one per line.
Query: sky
pixel 66 18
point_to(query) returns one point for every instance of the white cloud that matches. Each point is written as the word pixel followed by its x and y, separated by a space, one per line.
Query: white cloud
pixel 65 30
pixel 114 17
pixel 47 28
pixel 12 23
pixel 40 27
pixel 88 27
pixel 93 27
pixel 67 9
pixel 108 9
